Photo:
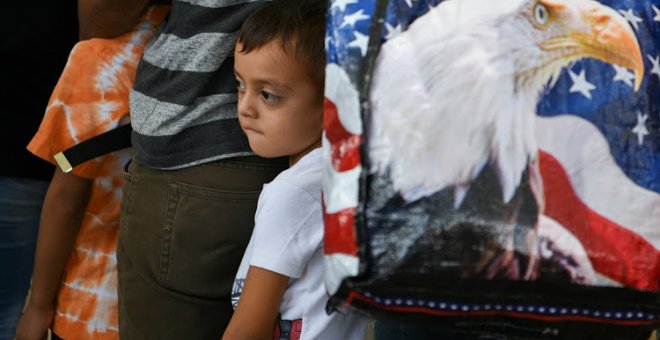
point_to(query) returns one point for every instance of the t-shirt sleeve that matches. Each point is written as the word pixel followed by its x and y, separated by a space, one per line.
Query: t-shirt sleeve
pixel 91 95
pixel 289 228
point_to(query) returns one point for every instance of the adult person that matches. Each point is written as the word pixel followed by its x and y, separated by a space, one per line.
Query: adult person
pixel 192 187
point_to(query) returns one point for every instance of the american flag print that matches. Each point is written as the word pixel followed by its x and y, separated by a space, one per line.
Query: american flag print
pixel 594 172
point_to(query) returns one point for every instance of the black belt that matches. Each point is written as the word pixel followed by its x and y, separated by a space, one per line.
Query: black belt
pixel 113 140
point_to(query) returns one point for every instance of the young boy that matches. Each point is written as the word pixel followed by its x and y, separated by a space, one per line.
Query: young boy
pixel 74 285
pixel 279 64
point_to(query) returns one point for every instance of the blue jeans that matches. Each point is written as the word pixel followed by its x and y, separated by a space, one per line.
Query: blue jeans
pixel 392 330
pixel 20 208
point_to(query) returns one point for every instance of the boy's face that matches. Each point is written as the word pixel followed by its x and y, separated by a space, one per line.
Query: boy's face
pixel 280 108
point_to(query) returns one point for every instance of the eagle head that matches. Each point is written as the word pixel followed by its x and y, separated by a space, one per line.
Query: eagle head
pixel 458 89
pixel 563 31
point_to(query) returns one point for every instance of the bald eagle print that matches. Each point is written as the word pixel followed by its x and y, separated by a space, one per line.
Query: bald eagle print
pixel 496 150
pixel 474 74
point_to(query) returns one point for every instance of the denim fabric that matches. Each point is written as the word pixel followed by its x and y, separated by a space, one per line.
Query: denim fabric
pixel 392 330
pixel 20 208
pixel 182 236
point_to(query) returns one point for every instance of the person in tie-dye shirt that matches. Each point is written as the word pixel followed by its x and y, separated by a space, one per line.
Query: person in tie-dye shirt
pixel 74 288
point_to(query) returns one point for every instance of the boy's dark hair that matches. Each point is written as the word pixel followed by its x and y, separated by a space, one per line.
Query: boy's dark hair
pixel 300 27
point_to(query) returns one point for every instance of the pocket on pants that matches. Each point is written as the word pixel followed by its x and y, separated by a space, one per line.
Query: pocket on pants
pixel 204 237
pixel 125 206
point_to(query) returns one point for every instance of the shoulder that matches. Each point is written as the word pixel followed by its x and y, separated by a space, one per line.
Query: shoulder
pixel 302 178
pixel 294 196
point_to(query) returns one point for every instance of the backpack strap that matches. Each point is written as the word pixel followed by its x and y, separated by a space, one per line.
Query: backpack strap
pixel 113 140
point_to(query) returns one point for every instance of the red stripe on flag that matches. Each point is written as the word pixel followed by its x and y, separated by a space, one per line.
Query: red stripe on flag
pixel 614 251
pixel 340 233
pixel 345 146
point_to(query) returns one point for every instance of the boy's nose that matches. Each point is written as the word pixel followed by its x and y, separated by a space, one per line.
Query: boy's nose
pixel 245 107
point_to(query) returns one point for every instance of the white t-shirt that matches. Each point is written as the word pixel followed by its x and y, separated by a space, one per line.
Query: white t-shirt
pixel 288 239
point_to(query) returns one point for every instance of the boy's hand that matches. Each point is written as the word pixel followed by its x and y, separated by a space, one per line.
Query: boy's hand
pixel 34 323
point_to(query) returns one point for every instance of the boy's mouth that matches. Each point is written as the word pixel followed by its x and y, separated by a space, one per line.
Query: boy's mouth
pixel 247 128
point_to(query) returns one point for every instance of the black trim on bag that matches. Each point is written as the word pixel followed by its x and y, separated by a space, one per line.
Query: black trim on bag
pixel 364 84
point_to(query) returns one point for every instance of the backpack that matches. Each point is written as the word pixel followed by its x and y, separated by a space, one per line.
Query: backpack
pixel 494 166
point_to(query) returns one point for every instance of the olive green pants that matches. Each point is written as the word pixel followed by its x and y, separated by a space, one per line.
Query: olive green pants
pixel 182 237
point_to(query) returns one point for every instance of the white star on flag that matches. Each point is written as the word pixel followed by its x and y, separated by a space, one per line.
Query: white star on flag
pixel 631 17
pixel 657 14
pixel 656 65
pixel 392 31
pixel 361 41
pixel 350 20
pixel 640 129
pixel 409 3
pixel 580 84
pixel 341 4
pixel 622 74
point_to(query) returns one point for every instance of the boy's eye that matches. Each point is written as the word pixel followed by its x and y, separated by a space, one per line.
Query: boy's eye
pixel 240 85
pixel 269 97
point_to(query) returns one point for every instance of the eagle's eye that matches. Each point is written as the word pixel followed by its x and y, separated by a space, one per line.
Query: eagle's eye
pixel 541 15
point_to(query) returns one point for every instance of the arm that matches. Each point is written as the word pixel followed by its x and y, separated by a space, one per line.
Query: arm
pixel 258 307
pixel 61 215
pixel 109 18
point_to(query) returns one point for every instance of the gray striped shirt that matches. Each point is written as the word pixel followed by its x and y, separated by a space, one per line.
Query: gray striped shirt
pixel 183 103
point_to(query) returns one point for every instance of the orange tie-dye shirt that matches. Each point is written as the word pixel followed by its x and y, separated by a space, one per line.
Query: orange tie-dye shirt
pixel 91 98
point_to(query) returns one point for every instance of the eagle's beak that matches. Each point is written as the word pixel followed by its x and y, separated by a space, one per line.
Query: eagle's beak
pixel 605 35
